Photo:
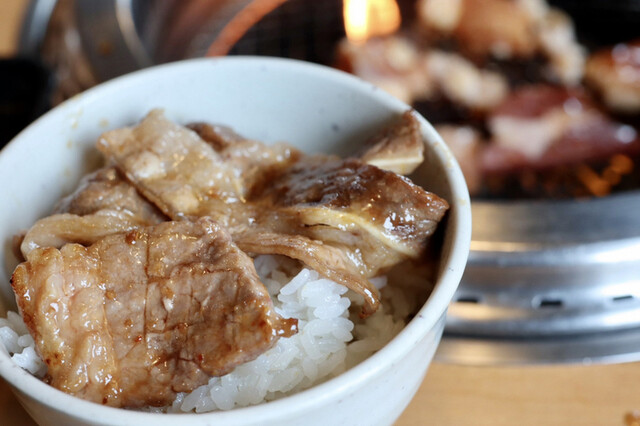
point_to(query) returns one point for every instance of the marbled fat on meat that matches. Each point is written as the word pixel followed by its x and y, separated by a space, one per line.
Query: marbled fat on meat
pixel 103 204
pixel 375 218
pixel 137 317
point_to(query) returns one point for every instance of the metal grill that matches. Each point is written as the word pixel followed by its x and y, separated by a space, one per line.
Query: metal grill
pixel 299 29
pixel 307 30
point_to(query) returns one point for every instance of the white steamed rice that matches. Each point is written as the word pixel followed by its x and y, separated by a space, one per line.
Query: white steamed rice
pixel 17 341
pixel 331 339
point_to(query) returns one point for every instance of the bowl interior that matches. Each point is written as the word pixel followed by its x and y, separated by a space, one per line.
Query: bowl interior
pixel 311 107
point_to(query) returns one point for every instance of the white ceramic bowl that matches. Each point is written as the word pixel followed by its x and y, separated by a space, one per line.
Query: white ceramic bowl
pixel 312 107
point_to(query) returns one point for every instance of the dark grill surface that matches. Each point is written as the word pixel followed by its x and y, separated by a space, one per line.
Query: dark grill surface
pixel 303 29
pixel 299 29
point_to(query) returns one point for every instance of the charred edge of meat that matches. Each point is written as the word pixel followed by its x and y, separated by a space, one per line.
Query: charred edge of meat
pixel 219 137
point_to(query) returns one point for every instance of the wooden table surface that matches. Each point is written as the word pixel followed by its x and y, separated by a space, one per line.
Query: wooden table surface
pixel 456 394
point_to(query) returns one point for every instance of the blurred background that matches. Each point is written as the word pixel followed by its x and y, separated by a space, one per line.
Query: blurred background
pixel 539 101
pixel 469 66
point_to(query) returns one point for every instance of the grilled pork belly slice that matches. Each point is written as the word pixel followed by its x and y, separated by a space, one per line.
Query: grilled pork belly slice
pixel 540 127
pixel 398 65
pixel 139 316
pixel 355 201
pixel 104 203
pixel 375 217
pixel 338 263
pixel 506 30
pixel 219 137
pixel 173 168
pixel 250 160
pixel 615 74
pixel 482 27
pixel 107 189
pixel 60 229
pixel 398 148
pixel 392 63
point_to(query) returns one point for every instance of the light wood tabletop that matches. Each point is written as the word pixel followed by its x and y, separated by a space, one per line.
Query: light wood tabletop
pixel 456 394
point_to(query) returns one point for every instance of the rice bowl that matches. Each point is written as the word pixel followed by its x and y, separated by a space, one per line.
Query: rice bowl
pixel 198 84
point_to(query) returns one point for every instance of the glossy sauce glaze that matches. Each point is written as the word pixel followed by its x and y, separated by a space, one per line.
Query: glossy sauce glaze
pixel 141 284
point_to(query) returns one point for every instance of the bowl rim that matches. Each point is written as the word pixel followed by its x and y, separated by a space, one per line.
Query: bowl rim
pixel 425 320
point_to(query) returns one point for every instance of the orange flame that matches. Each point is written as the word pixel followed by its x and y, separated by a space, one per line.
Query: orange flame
pixel 364 19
